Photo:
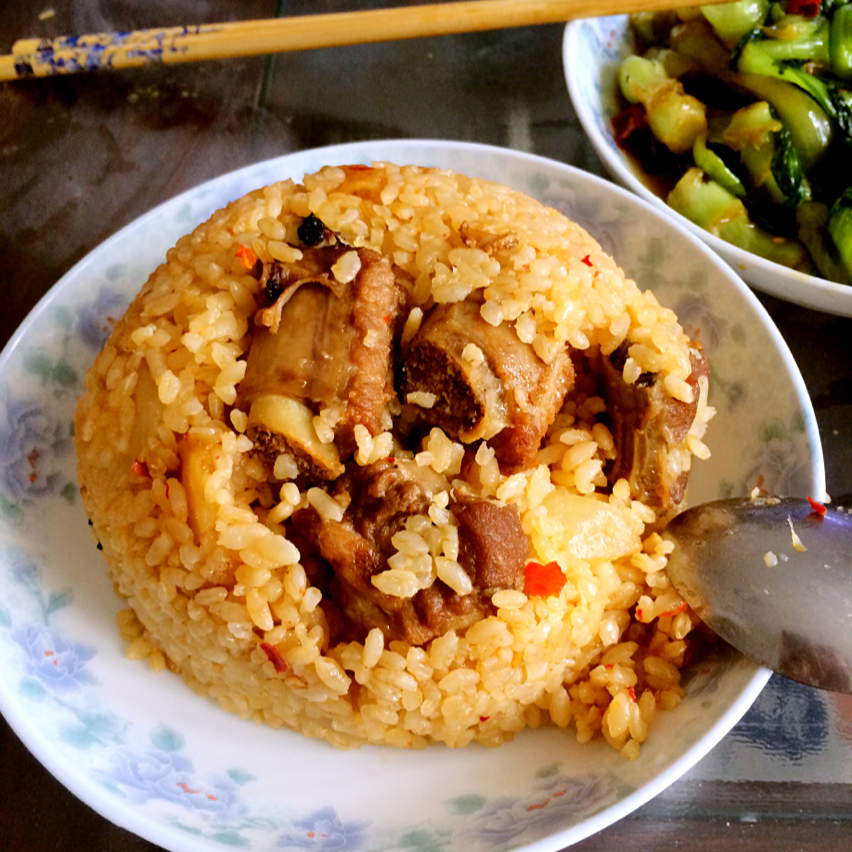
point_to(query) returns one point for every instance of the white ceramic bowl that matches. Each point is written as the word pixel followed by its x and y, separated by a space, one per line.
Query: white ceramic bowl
pixel 591 53
pixel 149 754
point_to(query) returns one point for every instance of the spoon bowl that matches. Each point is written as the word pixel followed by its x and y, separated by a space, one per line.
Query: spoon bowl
pixel 773 578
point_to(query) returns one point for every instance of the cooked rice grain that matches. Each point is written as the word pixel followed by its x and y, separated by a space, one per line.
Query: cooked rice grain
pixel 215 590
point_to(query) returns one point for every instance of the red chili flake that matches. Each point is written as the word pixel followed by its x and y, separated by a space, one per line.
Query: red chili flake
pixel 587 260
pixel 632 693
pixel 140 468
pixel 32 458
pixel 628 121
pixel 274 657
pixel 538 807
pixel 212 797
pixel 817 507
pixel 680 608
pixel 186 788
pixel 246 256
pixel 49 653
pixel 391 459
pixel 805 8
pixel 388 317
pixel 543 581
pixel 484 718
pixel 638 613
pixel 558 793
pixel 359 168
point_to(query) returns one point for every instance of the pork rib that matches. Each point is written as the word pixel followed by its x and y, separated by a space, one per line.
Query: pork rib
pixel 322 345
pixel 487 383
pixel 648 427
pixel 492 550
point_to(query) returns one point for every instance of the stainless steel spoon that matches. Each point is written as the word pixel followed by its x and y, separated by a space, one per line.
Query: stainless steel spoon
pixel 773 578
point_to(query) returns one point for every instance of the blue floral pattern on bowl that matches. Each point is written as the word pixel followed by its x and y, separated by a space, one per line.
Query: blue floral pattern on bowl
pixel 145 751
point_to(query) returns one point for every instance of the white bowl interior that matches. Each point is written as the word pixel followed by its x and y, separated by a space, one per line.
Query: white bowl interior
pixel 150 755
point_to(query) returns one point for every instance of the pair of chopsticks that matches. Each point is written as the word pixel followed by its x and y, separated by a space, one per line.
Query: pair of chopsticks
pixel 70 54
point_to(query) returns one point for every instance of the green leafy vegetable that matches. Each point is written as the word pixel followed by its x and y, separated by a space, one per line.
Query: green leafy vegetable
pixel 787 170
pixel 760 92
pixel 812 219
pixel 731 21
pixel 715 167
pixel 840 227
pixel 840 42
pixel 675 118
pixel 712 207
pixel 752 57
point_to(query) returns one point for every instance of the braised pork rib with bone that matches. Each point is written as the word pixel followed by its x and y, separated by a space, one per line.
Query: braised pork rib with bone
pixel 322 348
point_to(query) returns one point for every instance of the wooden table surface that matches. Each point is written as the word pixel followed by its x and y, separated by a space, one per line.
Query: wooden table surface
pixel 81 156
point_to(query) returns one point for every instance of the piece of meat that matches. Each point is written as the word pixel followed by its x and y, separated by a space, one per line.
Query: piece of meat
pixel 497 389
pixel 647 426
pixel 321 345
pixel 489 243
pixel 493 551
pixel 492 546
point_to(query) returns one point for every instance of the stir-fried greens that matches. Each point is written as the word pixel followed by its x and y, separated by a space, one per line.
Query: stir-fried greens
pixel 745 111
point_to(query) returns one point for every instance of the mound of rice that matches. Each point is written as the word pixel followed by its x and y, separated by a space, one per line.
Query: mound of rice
pixel 218 594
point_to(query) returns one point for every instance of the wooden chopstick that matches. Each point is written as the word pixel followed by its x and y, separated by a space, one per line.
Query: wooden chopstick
pixel 69 54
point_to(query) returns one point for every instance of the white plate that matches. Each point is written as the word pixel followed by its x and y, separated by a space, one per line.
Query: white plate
pixel 150 755
pixel 592 50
